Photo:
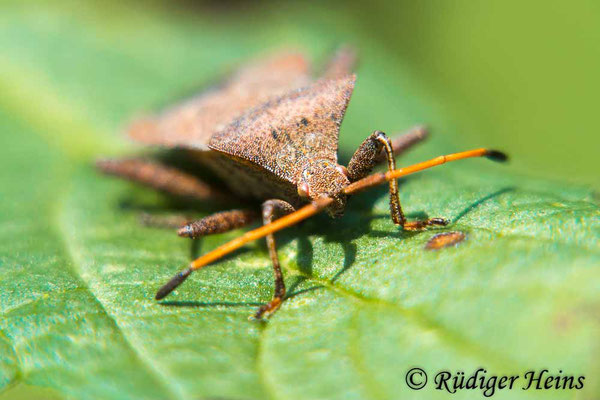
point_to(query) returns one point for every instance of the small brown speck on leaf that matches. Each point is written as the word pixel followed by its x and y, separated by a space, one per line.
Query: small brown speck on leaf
pixel 445 239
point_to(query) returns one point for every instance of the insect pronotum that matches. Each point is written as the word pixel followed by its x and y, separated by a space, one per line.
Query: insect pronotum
pixel 270 133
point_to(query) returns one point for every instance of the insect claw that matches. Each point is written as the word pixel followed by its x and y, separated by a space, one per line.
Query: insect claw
pixel 439 221
pixel 266 310
pixel 423 224
pixel 172 284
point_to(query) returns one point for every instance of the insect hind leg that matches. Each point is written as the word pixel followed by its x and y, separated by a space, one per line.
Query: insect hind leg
pixel 160 177
pixel 171 221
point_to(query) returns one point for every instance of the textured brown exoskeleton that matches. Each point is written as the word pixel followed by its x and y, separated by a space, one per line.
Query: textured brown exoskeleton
pixel 271 134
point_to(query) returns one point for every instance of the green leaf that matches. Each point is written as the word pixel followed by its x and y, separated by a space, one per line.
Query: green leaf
pixel 367 302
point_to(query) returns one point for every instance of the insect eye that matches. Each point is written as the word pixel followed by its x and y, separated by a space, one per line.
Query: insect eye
pixel 303 190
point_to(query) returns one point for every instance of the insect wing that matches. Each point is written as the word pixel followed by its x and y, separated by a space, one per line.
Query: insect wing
pixel 285 133
pixel 192 123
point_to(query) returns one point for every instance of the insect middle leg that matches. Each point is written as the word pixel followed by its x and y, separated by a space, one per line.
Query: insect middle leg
pixel 270 210
pixel 363 161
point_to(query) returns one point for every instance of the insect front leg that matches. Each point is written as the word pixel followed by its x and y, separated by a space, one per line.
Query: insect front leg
pixel 270 210
pixel 363 161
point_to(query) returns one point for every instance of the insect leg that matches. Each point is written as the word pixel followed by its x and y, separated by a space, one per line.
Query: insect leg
pixel 217 223
pixel 160 177
pixel 363 161
pixel 405 141
pixel 271 210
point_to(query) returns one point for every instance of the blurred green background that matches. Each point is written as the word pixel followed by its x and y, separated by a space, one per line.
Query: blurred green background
pixel 520 75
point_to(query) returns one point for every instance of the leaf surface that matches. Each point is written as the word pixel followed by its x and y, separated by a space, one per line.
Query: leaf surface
pixel 367 302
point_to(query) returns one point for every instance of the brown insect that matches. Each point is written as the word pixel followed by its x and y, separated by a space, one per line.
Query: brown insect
pixel 445 239
pixel 271 134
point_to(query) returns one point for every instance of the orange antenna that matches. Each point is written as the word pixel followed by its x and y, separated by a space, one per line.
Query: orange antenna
pixel 377 179
pixel 314 208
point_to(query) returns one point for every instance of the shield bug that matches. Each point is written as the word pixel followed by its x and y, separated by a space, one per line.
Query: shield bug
pixel 270 133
